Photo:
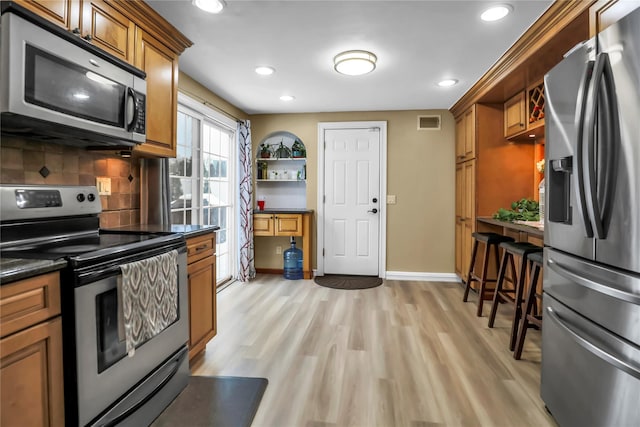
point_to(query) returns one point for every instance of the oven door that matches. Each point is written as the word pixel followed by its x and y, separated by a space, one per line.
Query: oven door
pixel 104 372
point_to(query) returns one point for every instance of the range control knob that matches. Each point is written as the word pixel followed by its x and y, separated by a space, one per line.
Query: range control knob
pixel 80 197
pixel 91 197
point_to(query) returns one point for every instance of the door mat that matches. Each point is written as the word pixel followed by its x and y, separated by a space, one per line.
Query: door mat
pixel 343 281
pixel 214 401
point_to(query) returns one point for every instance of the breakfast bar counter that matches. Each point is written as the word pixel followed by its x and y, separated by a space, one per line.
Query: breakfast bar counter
pixel 520 232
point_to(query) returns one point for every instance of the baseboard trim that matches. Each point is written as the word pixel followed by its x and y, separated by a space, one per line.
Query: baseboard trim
pixel 422 277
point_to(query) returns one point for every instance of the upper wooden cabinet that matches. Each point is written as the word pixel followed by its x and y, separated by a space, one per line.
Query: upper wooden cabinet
pixel 524 113
pixel 466 135
pixel 107 28
pixel 161 66
pixel 515 115
pixel 64 13
pixel 133 32
pixel 603 13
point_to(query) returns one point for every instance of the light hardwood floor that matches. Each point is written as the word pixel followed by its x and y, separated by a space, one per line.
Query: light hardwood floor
pixel 402 354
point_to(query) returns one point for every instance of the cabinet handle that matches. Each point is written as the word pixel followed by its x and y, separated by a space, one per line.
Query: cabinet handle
pixel 460 157
pixel 88 37
pixel 201 247
pixel 76 30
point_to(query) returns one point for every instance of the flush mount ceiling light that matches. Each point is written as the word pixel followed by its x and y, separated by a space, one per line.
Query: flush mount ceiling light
pixel 355 62
pixel 287 98
pixel 495 13
pixel 448 83
pixel 211 6
pixel 265 71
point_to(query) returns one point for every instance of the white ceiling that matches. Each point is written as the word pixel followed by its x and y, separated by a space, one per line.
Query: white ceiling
pixel 418 43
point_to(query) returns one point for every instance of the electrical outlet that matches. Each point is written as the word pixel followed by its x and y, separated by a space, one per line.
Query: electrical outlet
pixel 104 185
pixel 391 199
pixel 278 250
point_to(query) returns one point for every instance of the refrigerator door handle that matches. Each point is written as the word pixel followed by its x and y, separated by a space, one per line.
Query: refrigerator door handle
pixel 592 348
pixel 595 286
pixel 609 144
pixel 601 74
pixel 581 103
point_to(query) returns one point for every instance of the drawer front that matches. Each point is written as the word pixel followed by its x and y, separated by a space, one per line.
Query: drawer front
pixel 200 247
pixel 30 301
pixel 288 225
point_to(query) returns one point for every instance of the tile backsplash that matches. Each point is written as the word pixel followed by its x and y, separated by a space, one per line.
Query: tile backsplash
pixel 25 161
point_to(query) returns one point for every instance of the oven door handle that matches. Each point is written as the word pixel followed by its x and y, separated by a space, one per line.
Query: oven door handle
pixel 133 408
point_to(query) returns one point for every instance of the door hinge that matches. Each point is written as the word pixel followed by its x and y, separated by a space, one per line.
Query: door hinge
pixel 324 199
pixel 322 251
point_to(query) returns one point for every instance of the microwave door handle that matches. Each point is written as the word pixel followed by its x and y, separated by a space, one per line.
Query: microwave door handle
pixel 131 94
pixel 589 166
pixel 609 146
pixel 585 83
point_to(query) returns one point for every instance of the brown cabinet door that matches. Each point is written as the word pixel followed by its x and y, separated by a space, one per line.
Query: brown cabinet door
pixel 288 225
pixel 161 66
pixel 202 304
pixel 514 115
pixel 108 29
pixel 470 133
pixel 31 385
pixel 64 13
pixel 460 138
pixel 263 225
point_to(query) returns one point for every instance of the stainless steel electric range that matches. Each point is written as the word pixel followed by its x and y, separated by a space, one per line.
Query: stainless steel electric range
pixel 104 384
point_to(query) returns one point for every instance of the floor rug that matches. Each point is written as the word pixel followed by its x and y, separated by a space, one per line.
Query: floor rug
pixel 341 281
pixel 214 401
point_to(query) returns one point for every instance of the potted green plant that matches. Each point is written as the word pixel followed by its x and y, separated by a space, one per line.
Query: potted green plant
pixel 298 150
pixel 265 152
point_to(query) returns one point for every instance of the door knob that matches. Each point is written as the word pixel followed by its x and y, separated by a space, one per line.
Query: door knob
pixel 374 210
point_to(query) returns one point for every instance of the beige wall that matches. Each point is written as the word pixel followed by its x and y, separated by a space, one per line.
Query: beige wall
pixel 420 172
pixel 195 90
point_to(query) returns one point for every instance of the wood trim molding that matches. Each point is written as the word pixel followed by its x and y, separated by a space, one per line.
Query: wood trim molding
pixel 151 22
pixel 559 15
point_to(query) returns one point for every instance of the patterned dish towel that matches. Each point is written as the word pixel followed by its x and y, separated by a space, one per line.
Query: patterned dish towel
pixel 148 298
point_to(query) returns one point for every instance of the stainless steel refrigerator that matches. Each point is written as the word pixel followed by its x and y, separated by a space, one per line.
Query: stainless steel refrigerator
pixel 591 302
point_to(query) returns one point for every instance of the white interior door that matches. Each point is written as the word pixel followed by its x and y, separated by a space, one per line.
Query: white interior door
pixel 352 201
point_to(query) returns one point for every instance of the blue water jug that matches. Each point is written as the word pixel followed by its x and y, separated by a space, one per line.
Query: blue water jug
pixel 293 262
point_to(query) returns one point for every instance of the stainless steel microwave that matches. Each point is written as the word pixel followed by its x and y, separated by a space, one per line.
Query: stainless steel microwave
pixel 56 87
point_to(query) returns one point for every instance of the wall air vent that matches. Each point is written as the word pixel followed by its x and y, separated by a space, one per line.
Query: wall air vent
pixel 429 122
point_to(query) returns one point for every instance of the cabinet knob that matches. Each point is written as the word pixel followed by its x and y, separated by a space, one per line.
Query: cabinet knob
pixel 76 30
pixel 88 37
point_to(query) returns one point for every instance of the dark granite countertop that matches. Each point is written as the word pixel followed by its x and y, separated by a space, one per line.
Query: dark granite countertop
pixel 283 211
pixel 12 269
pixel 187 230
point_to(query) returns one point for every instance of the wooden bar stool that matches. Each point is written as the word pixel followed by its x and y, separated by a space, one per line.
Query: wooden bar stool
pixel 530 318
pixel 512 296
pixel 489 240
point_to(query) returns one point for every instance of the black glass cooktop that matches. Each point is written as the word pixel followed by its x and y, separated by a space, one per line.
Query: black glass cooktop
pixel 105 244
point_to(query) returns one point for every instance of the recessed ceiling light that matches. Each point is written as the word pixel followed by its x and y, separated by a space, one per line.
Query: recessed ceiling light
pixel 532 135
pixel 448 83
pixel 287 98
pixel 355 62
pixel 496 12
pixel 265 71
pixel 211 6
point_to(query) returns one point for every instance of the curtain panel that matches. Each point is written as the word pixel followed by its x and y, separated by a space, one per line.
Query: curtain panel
pixel 246 266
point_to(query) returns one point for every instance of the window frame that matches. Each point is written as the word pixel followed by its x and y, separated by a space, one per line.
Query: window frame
pixel 205 114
